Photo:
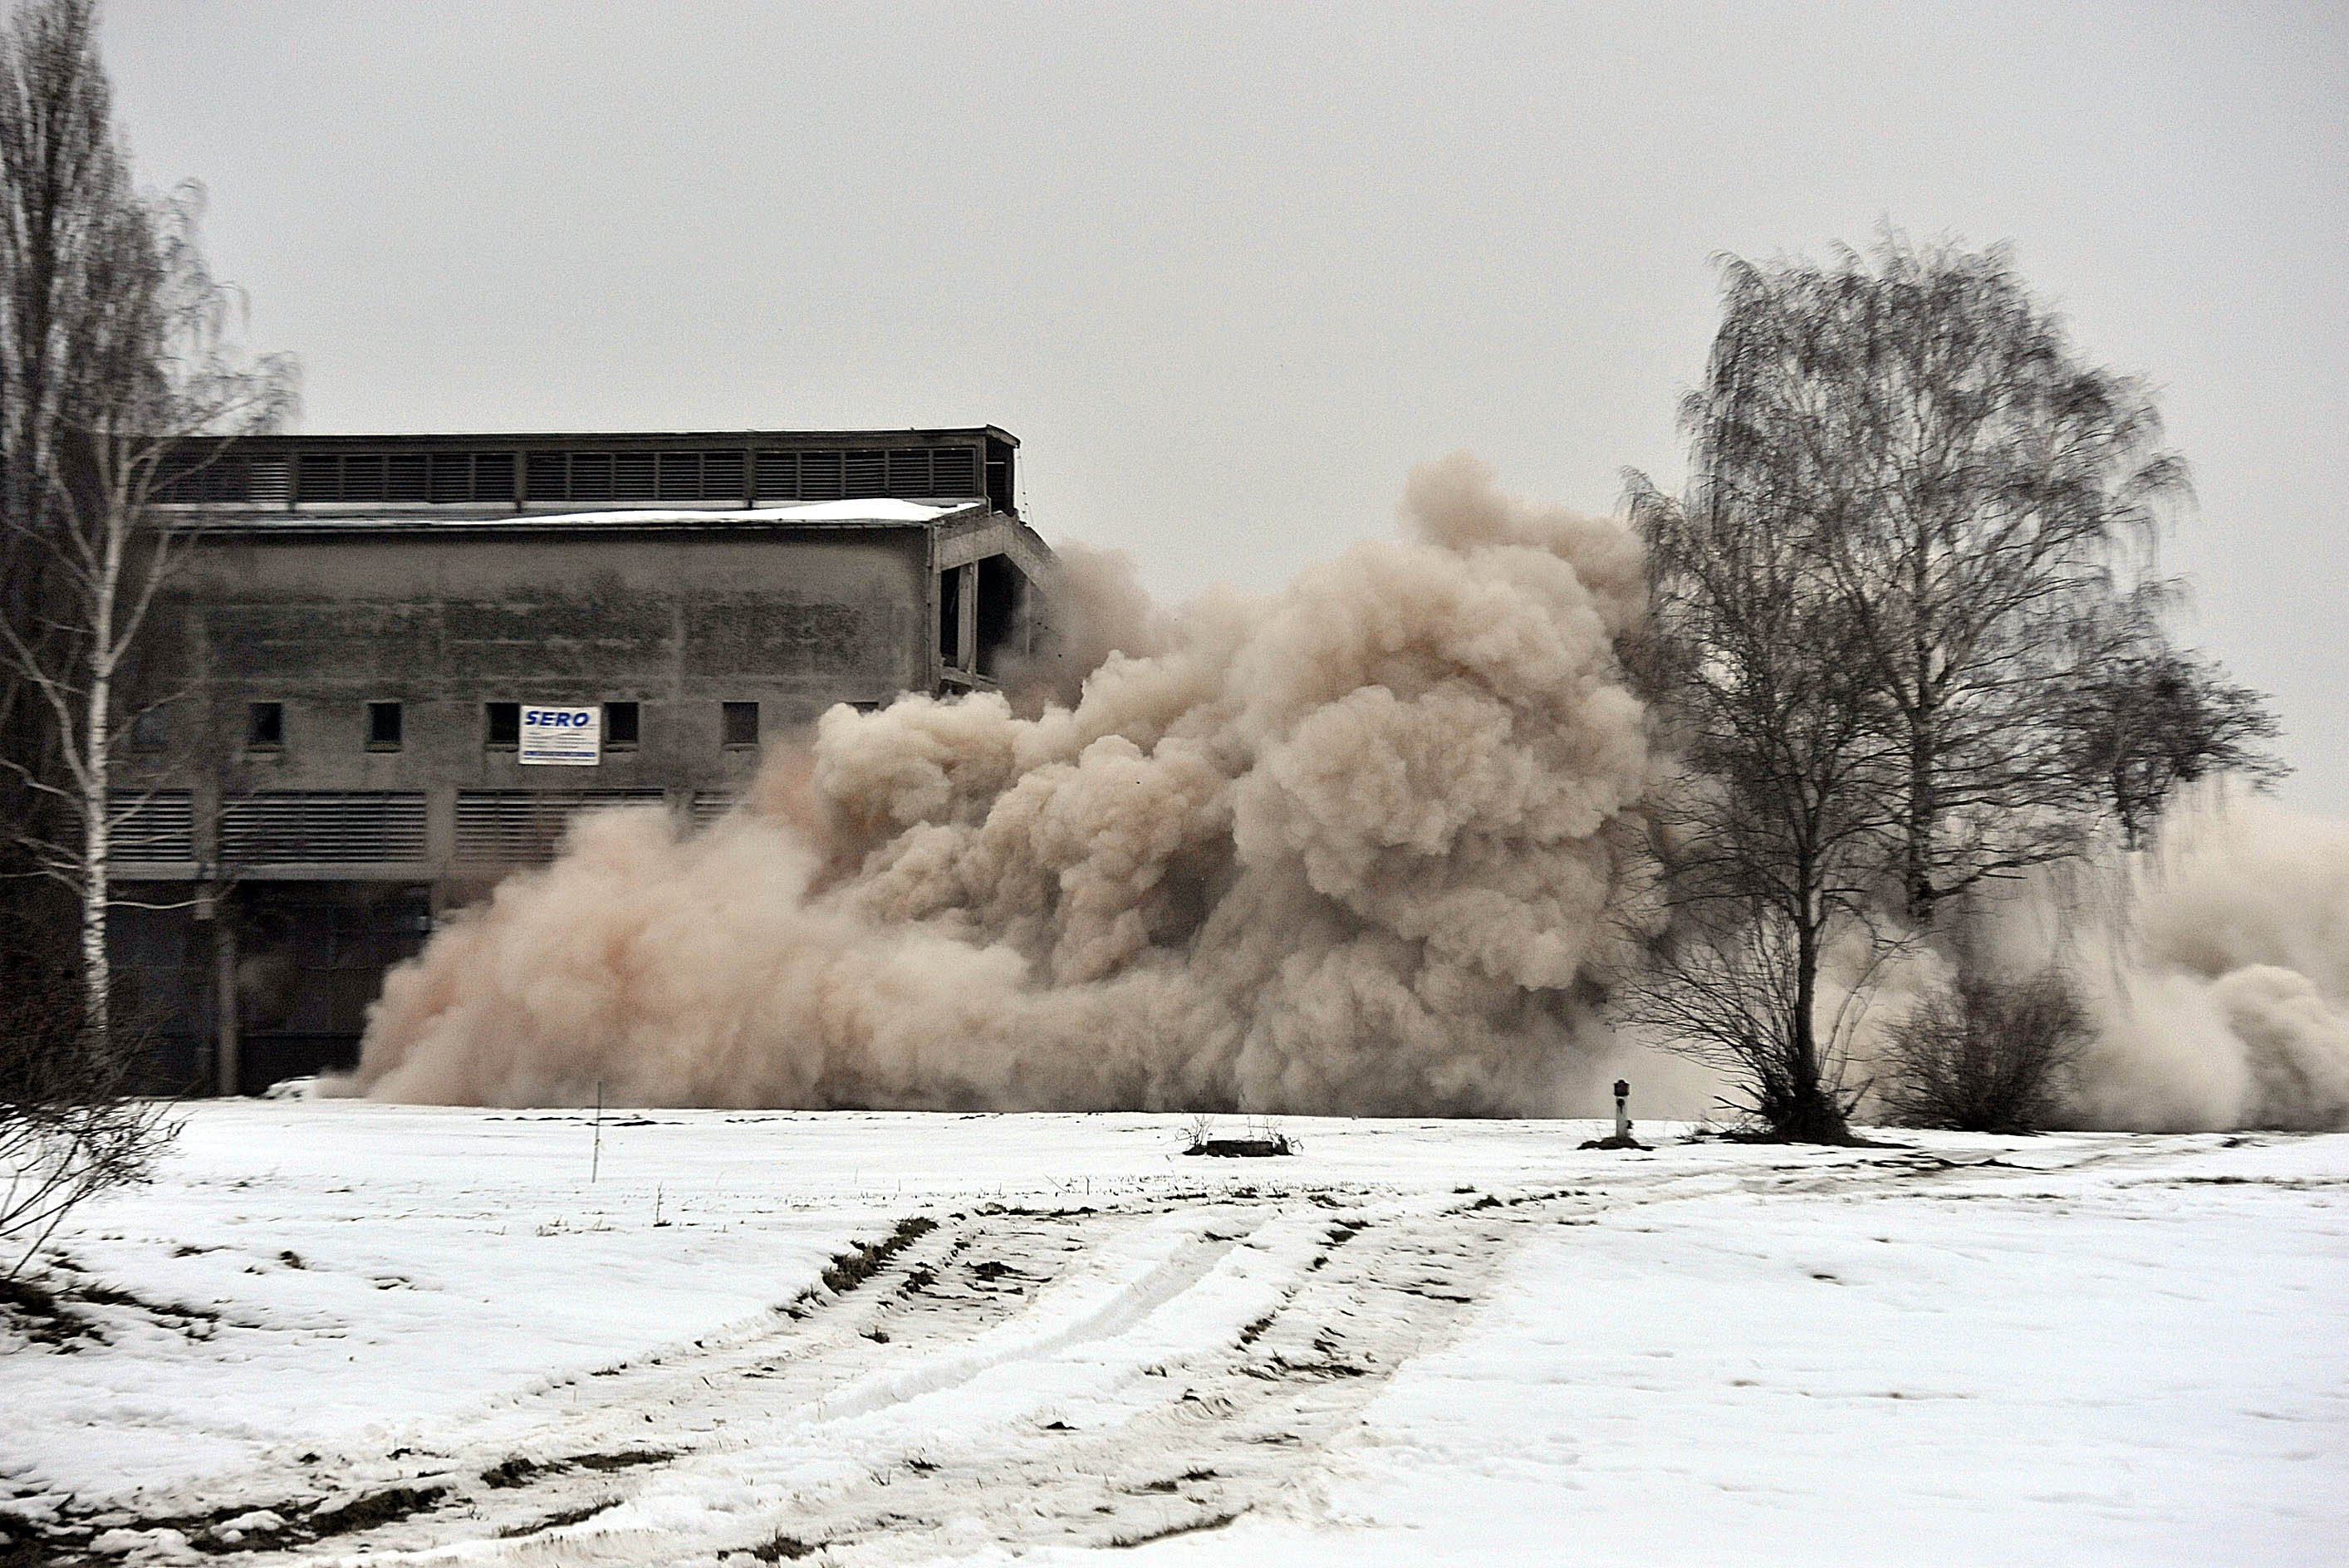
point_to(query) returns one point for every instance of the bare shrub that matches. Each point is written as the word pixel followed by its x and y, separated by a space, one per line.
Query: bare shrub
pixel 71 1125
pixel 1263 1140
pixel 1984 1055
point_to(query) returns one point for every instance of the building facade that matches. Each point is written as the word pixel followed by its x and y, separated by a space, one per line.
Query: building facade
pixel 375 642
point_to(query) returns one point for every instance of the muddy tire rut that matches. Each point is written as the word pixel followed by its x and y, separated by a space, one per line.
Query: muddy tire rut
pixel 1100 1376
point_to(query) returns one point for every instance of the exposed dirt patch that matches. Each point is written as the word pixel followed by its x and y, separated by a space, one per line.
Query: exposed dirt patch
pixel 515 1471
pixel 851 1268
pixel 35 1312
pixel 247 1526
pixel 52 1310
pixel 625 1458
pixel 373 1508
pixel 554 1521
pixel 1187 1527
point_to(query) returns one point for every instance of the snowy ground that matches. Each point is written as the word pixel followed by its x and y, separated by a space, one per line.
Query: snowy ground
pixel 405 1334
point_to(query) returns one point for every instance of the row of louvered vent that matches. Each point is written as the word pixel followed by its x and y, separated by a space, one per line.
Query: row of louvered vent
pixel 510 825
pixel 478 478
pixel 346 477
pixel 346 825
pixel 636 476
pixel 161 826
pixel 406 477
pixel 920 472
pixel 277 826
pixel 262 481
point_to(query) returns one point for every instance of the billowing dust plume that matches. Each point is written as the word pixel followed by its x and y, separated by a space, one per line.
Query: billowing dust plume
pixel 1355 846
pixel 2215 968
pixel 2212 968
pixel 1359 846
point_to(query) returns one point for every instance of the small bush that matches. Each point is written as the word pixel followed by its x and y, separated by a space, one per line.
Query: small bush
pixel 1985 1055
pixel 72 1124
pixel 1263 1140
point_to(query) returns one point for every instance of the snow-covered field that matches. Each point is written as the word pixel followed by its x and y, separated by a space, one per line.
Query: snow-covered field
pixel 353 1331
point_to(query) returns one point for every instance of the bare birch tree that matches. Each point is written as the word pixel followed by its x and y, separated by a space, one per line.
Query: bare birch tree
pixel 1977 491
pixel 1770 845
pixel 61 167
pixel 160 371
pixel 117 354
pixel 115 351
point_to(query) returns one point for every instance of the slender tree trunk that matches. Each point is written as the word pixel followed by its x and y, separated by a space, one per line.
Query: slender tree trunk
pixel 1924 740
pixel 1806 1063
pixel 1811 1114
pixel 1922 809
pixel 97 980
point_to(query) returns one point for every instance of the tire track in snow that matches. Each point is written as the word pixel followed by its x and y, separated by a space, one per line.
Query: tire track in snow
pixel 1211 1382
pixel 1093 1375
pixel 970 1296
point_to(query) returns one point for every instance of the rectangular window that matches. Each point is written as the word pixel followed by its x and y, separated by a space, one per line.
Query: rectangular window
pixel 820 477
pixel 501 725
pixel 740 726
pixel 619 726
pixel 265 726
pixel 383 726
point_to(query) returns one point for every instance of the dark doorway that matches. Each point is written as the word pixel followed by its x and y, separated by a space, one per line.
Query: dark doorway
pixel 1002 594
pixel 160 955
pixel 950 617
pixel 311 957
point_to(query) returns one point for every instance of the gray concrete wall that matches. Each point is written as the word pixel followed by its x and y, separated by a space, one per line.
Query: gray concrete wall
pixel 444 617
pixel 446 621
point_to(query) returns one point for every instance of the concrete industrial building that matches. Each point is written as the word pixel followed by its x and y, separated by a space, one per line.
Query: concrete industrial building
pixel 365 624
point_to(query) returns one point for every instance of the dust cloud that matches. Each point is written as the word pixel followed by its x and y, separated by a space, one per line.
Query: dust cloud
pixel 1366 845
pixel 2215 968
pixel 1356 846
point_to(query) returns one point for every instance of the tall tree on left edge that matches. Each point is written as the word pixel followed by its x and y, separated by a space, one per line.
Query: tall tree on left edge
pixel 120 381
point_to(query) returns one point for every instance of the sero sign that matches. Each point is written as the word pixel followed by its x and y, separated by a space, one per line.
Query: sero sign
pixel 561 736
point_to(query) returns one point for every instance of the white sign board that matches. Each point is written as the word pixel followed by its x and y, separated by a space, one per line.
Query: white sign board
pixel 562 737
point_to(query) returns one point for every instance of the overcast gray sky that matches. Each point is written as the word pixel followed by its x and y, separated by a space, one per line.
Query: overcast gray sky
pixel 1227 270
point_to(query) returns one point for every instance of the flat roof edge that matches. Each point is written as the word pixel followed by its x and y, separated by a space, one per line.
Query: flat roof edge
pixel 511 437
pixel 646 521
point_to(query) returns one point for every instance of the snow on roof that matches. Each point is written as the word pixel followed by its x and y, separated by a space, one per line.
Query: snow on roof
pixel 873 510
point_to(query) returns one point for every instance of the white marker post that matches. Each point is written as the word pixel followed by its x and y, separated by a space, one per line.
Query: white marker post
pixel 1623 1110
